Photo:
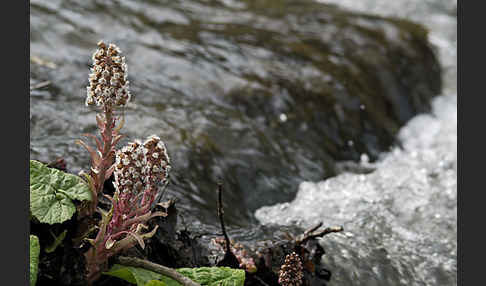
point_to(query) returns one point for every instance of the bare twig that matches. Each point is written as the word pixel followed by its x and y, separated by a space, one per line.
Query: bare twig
pixel 312 229
pixel 221 218
pixel 169 272
pixel 313 233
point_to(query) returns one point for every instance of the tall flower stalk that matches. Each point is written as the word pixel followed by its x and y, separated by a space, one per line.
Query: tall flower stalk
pixel 138 169
pixel 107 90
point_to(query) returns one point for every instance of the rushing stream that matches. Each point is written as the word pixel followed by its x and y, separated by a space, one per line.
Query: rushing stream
pixel 263 94
pixel 400 220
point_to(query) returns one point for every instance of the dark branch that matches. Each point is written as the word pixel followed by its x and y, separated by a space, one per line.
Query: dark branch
pixel 229 259
pixel 169 272
pixel 221 216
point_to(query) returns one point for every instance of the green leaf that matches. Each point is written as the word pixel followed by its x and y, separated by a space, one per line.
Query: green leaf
pixel 34 258
pixel 155 283
pixel 57 241
pixel 52 192
pixel 210 276
pixel 214 276
pixel 133 275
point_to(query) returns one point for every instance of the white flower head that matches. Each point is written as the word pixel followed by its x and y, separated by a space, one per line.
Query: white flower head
pixel 108 64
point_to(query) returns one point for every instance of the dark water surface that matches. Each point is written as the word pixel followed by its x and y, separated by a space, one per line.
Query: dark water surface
pixel 264 94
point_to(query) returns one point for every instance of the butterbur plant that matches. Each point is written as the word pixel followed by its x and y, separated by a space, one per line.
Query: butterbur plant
pixel 138 169
pixel 107 90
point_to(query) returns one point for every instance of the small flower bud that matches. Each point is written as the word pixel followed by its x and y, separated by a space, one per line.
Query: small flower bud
pixel 291 271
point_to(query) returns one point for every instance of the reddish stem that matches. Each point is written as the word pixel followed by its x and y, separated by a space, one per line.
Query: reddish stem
pixel 107 134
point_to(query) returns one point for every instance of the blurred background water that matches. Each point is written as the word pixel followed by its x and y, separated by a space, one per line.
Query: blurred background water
pixel 400 219
pixel 295 101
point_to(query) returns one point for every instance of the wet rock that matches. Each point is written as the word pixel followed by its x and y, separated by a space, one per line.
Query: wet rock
pixel 264 94
pixel 260 250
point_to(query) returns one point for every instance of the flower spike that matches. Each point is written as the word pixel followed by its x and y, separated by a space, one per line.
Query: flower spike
pixel 108 84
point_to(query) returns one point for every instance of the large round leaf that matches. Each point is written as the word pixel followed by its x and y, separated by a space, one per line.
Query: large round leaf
pixel 52 192
pixel 210 276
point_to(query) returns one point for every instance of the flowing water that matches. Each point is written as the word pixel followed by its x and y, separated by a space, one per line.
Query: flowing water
pixel 400 218
pixel 263 94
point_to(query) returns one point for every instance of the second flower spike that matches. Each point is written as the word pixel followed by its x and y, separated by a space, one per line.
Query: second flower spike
pixel 140 166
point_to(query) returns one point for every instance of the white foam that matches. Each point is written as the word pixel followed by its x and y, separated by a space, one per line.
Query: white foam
pixel 408 206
